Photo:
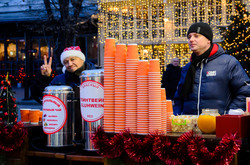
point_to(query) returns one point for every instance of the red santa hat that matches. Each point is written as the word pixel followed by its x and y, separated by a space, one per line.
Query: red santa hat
pixel 73 51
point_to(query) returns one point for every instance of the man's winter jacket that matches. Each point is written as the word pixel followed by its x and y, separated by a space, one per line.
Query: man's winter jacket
pixel 219 84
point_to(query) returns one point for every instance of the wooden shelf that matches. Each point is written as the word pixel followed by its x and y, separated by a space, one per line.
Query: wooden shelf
pixel 68 159
pixel 46 154
pixel 83 158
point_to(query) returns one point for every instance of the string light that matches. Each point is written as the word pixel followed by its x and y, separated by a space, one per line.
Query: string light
pixel 160 26
pixel 236 42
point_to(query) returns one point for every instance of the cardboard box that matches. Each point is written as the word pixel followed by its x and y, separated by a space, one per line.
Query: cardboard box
pixel 233 124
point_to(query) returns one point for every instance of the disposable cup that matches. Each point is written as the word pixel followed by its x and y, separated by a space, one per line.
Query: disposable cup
pixel 121 53
pixel 109 50
pixel 25 115
pixel 34 116
pixel 40 116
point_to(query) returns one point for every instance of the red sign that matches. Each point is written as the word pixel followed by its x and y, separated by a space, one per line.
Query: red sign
pixel 54 114
pixel 92 100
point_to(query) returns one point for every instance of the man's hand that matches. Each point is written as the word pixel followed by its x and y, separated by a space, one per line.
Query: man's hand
pixel 46 67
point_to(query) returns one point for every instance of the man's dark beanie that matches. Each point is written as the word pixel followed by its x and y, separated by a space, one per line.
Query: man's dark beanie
pixel 201 28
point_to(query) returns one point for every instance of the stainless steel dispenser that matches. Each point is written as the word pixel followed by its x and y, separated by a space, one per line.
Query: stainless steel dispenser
pixel 58 115
pixel 92 103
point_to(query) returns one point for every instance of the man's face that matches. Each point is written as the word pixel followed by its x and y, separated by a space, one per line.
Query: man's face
pixel 198 43
pixel 72 63
pixel 176 62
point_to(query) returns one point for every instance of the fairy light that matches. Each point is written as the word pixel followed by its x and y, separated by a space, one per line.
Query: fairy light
pixel 160 26
pixel 237 36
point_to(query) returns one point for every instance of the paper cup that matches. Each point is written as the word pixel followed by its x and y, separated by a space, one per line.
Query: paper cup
pixel 34 116
pixel 109 50
pixel 40 116
pixel 25 115
pixel 154 65
pixel 248 104
pixel 132 52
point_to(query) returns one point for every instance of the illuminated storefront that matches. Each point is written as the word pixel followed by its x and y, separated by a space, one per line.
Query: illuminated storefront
pixel 159 27
pixel 13 56
pixel 26 36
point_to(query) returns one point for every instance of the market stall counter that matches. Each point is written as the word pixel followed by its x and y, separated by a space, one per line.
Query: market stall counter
pixel 34 151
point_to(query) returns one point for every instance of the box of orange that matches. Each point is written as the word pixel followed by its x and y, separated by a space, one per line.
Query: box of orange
pixel 227 124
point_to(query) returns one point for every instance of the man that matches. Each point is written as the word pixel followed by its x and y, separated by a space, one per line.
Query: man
pixel 212 79
pixel 171 78
pixel 74 63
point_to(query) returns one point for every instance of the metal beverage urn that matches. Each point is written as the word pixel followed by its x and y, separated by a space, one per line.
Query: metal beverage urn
pixel 58 115
pixel 91 103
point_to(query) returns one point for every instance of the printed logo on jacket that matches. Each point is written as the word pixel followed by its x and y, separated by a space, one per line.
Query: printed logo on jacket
pixel 211 73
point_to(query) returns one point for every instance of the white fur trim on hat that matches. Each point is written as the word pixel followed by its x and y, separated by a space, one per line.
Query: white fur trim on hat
pixel 72 53
pixel 63 69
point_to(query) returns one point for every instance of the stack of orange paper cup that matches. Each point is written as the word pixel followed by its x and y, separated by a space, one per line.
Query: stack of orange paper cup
pixel 142 97
pixel 169 113
pixel 163 111
pixel 109 60
pixel 120 89
pixel 131 75
pixel 154 93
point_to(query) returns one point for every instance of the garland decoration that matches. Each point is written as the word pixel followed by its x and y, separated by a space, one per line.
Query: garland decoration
pixel 12 136
pixel 139 149
pixel 108 147
pixel 222 154
pixel 172 153
pixel 144 148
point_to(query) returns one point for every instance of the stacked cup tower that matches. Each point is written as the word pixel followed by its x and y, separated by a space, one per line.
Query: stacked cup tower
pixel 133 98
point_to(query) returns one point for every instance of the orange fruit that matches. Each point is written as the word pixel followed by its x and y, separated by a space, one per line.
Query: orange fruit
pixel 207 123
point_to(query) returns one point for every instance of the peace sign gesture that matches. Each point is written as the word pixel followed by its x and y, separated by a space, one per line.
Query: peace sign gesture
pixel 46 67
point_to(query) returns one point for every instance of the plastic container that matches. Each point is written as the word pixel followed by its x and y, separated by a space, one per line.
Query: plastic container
pixel 183 123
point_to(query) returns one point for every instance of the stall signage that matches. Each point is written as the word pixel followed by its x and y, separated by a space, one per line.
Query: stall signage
pixel 92 100
pixel 54 114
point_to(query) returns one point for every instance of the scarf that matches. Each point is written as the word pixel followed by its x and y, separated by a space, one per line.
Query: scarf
pixel 73 79
pixel 188 85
